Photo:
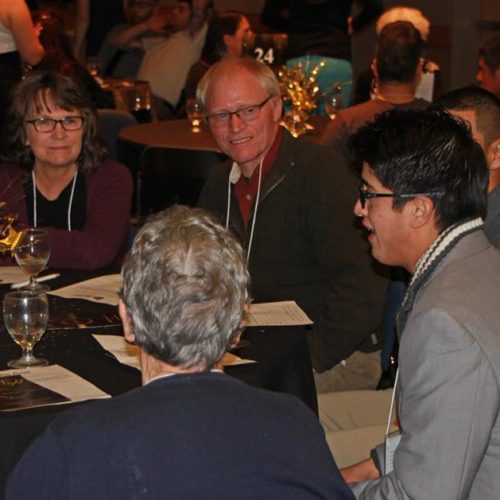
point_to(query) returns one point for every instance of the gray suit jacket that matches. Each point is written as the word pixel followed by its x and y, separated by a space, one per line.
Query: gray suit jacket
pixel 449 387
pixel 492 222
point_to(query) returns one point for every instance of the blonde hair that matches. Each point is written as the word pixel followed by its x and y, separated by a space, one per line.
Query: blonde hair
pixel 413 16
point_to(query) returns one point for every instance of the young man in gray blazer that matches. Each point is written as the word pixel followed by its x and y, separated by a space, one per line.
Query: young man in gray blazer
pixel 423 200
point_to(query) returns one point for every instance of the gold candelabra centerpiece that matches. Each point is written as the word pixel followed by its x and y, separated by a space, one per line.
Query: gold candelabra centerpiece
pixel 9 237
pixel 300 92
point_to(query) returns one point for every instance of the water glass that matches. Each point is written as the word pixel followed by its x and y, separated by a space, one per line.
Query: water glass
pixel 26 314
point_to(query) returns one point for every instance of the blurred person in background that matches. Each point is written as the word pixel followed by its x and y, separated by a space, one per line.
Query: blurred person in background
pixel 366 82
pixel 397 68
pixel 224 38
pixel 59 178
pixel 18 44
pixel 320 31
pixel 93 21
pixel 481 110
pixel 321 27
pixel 123 49
pixel 59 57
pixel 166 64
pixel 488 73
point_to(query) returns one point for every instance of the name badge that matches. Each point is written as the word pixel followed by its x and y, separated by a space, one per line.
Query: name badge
pixel 391 443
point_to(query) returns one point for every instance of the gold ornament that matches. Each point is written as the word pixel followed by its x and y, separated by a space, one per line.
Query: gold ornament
pixel 300 92
pixel 9 237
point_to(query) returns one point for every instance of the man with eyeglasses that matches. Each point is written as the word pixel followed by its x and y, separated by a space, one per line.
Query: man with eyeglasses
pixel 422 201
pixel 289 202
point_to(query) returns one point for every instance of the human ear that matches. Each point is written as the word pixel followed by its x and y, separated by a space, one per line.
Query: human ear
pixel 277 105
pixel 493 155
pixel 422 211
pixel 128 330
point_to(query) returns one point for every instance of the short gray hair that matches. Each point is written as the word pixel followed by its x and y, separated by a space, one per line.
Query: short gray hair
pixel 185 287
pixel 233 65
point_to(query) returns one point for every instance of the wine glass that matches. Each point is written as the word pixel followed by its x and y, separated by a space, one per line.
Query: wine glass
pixel 194 114
pixel 25 313
pixel 32 254
pixel 332 101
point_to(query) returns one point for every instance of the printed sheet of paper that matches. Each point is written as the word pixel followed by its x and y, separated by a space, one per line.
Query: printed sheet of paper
pixel 42 386
pixel 103 290
pixel 277 314
pixel 11 274
pixel 125 352
pixel 128 354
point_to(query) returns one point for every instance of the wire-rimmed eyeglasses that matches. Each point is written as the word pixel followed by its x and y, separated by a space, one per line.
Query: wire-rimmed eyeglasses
pixel 366 195
pixel 68 123
pixel 245 113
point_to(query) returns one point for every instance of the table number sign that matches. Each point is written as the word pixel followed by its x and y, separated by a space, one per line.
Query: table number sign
pixel 266 48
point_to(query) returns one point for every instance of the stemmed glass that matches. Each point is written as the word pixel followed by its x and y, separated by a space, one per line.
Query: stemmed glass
pixel 332 101
pixel 32 254
pixel 26 313
pixel 194 114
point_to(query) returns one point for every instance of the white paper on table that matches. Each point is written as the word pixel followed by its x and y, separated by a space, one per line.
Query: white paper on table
pixel 128 354
pixel 230 359
pixel 103 289
pixel 125 352
pixel 60 380
pixel 277 314
pixel 11 274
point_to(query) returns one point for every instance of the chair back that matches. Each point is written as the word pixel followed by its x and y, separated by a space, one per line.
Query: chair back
pixel 172 176
pixel 110 122
pixel 334 72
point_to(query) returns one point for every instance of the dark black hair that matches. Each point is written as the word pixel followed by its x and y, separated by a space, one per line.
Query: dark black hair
pixel 485 105
pixel 490 52
pixel 399 49
pixel 422 152
pixel 225 23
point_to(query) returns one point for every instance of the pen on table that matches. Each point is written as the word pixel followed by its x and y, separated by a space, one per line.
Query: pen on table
pixel 39 280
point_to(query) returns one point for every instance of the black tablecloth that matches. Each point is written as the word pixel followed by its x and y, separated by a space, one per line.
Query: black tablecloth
pixel 281 353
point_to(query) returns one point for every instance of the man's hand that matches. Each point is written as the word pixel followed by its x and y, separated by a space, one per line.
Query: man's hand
pixel 159 20
pixel 362 471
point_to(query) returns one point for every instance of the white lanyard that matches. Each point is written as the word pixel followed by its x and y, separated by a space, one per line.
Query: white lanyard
pixel 234 177
pixel 70 204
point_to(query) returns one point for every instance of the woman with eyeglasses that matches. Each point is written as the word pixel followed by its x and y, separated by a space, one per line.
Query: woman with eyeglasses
pixel 59 178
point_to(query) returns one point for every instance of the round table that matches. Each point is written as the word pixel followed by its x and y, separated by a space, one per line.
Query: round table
pixel 175 134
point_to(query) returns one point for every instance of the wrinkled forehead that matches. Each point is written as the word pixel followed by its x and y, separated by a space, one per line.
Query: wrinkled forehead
pixel 235 77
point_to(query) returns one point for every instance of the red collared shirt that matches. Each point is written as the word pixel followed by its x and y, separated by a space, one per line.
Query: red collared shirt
pixel 246 187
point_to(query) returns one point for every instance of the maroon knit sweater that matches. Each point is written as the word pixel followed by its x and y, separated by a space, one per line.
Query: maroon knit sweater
pixel 109 194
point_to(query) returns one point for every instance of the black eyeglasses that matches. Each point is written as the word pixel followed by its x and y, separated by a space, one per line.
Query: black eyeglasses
pixel 365 195
pixel 246 113
pixel 68 123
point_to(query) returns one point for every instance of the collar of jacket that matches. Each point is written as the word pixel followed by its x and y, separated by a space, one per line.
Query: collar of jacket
pixel 283 164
